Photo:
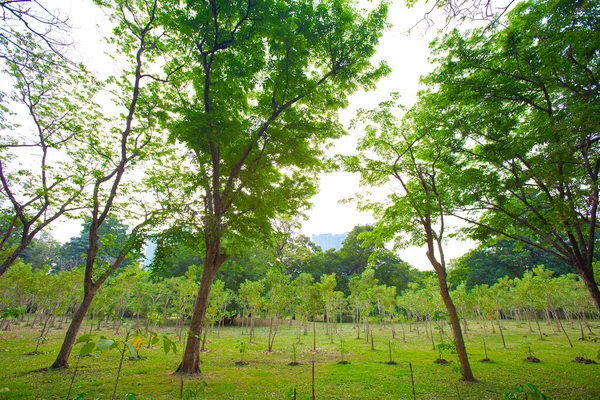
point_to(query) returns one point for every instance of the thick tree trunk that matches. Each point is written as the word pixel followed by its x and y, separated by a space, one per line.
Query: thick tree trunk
pixel 587 276
pixel 62 360
pixel 190 363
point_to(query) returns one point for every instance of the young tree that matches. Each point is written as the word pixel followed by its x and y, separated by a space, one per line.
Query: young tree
pixel 120 144
pixel 256 105
pixel 416 213
pixel 251 293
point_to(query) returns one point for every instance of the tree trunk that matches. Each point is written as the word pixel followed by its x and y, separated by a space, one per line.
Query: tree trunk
pixel 62 360
pixel 190 363
pixel 587 276
pixel 461 350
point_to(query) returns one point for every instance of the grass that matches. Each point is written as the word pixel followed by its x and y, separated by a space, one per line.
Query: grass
pixel 268 375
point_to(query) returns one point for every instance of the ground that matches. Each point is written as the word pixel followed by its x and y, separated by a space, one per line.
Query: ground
pixel 268 375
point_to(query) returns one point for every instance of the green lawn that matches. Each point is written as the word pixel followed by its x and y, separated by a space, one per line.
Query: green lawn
pixel 268 375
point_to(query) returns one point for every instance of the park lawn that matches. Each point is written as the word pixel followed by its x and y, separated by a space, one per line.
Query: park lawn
pixel 268 375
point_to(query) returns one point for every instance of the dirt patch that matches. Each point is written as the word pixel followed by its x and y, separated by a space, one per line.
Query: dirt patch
pixel 583 360
pixel 532 359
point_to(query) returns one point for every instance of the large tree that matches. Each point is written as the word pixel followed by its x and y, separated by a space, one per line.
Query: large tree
pixel 256 106
pixel 524 97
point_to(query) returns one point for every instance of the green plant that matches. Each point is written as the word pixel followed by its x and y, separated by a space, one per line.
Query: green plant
pixel 445 347
pixel 243 347
pixel 342 351
pixel 294 355
pixel 291 395
pixel 195 393
pixel 87 348
pixel 104 345
pixel 527 391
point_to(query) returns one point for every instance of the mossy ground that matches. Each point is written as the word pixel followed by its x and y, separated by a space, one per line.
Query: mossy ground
pixel 268 375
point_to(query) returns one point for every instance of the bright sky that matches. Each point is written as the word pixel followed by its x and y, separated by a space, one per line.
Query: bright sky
pixel 407 56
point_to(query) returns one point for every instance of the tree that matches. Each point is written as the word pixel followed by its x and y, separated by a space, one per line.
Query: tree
pixel 524 97
pixel 121 144
pixel 42 119
pixel 255 106
pixel 42 252
pixel 32 19
pixel 355 252
pixel 113 233
pixel 491 261
pixel 276 302
pixel 251 293
pixel 416 213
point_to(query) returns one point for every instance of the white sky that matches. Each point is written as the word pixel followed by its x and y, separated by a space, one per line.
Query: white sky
pixel 407 56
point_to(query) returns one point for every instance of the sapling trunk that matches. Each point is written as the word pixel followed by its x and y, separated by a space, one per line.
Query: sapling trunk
pixel 372 341
pixel 580 327
pixel 587 324
pixel 564 331
pixel 485 350
pixel 73 379
pixel 403 333
pixel 203 340
pixel 501 332
pixel 528 316
pixel 412 381
pixel 114 395
pixel 537 322
pixel 313 377
pixel 314 336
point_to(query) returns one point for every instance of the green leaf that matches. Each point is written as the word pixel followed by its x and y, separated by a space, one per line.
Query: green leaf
pixel 169 345
pixel 132 349
pixel 104 344
pixel 87 349
pixel 84 338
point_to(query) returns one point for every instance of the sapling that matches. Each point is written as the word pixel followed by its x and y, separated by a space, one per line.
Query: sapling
pixel 531 358
pixel 441 347
pixel 294 362
pixel 87 348
pixel 243 349
pixel 486 359
pixel 342 351
pixel 391 361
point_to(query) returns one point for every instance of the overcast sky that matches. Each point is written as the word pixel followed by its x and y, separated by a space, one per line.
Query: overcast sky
pixel 405 53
